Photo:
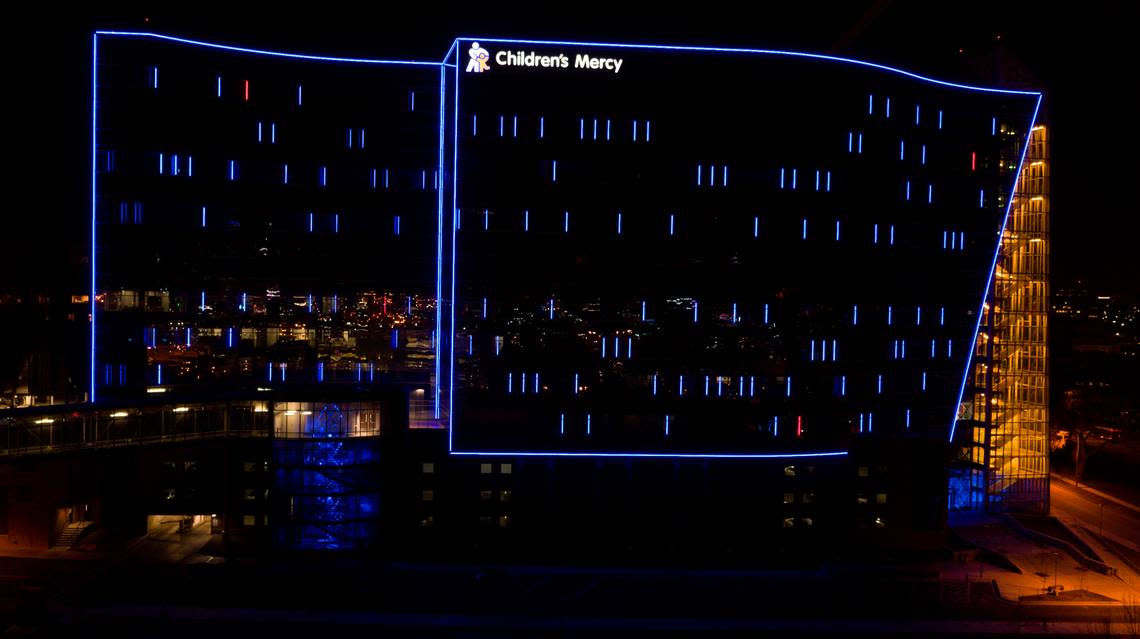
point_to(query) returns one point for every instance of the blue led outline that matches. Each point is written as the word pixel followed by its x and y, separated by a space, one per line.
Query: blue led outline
pixel 828 58
pixel 454 210
pixel 94 152
pixel 993 268
pixel 799 54
pixel 439 246
pixel 838 453
pixel 279 54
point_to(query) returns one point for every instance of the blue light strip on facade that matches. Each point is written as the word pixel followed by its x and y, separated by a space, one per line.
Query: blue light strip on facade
pixel 840 453
pixel 993 267
pixel 94 189
pixel 279 54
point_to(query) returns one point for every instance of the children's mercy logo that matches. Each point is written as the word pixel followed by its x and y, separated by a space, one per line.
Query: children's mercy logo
pixel 479 57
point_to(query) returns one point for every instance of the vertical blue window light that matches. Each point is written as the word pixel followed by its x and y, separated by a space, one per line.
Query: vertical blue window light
pixel 587 423
pixel 526 220
pixel 309 304
pixel 890 311
pixel 756 226
pixel 804 232
pixel 576 386
pixel 933 345
pixel 817 179
pixel 154 79
pixel 879 384
pixel 666 425
pixel 775 425
pixel 855 315
pixel 324 176
pixel 554 170
pixel 311 216
pixel 734 317
pixel 981 198
pixel 515 126
pixel 299 95
pixel 581 128
pixel 765 313
pixel 336 222
pixel 902 343
pixel 672 225
pixel 924 381
pixel 680 385
pixel 949 348
pixel 187 337
pixel 875 234
pixel 751 385
pixel 411 100
pixel 655 384
pixel 607 129
pixel 892 235
pixel 596 129
pixel 850 141
pixel 550 308
pixel 486 219
pixel 502 120
pixel 603 340
pixel 782 171
pixel 566 221
pixel 788 387
pixel 793 179
pixel 230 337
pixel 870 104
pixel 706 385
pixel 939 119
pixel 993 122
pixel 233 170
pixel 888 107
pixel 908 190
pixel 918 316
pixel 942 316
pixel 396 224
pixel 510 383
pixel 320 371
pixel 203 217
pixel 189 166
pixel 834 350
pixel 160 374
pixel 484 308
pixel 385 178
pixel 470 344
pixel 273 134
pixel 908 419
pixel 647 124
pixel 174 164
pixel 259 140
pixel 395 338
pixel 219 84
pixel 923 154
pixel 917 111
pixel 811 356
pixel 930 194
pixel 902 149
pixel 827 186
pixel 843 386
pixel 643 310
pixel 634 131
pixel 860 147
pixel 695 306
pixel 161 162
pixel 541 127
pixel 202 301
pixel 562 424
pixel 836 230
pixel 724 175
pixel 372 179
pixel 244 300
pixel 474 125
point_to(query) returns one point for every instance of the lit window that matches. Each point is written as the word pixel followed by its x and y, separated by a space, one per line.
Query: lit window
pixel 861 500
pixel 789 498
pixel 250 494
pixel 879 523
pixel 486 495
pixel 429 495
pixel 485 469
pixel 504 521
pixel 249 520
pixel 427 522
pixel 789 522
pixel 880 498
pixel 807 521
pixel 429 468
pixel 789 471
pixel 864 471
pixel 504 495
pixel 505 469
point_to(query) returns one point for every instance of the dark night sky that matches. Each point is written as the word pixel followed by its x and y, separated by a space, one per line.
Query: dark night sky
pixel 1082 59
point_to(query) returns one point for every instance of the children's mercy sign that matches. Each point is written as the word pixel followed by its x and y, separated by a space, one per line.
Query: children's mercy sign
pixel 479 57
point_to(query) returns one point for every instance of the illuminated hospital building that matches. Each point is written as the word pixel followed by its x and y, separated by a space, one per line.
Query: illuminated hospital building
pixel 553 298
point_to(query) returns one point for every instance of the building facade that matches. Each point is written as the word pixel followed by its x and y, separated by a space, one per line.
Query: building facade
pixel 623 300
